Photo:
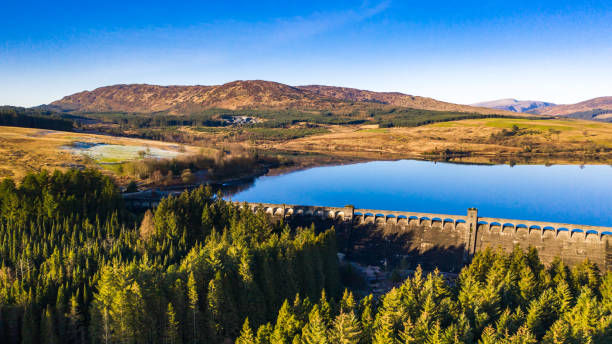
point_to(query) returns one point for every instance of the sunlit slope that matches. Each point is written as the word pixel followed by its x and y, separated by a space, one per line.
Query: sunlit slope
pixel 24 150
pixel 250 94
pixel 478 140
pixel 603 104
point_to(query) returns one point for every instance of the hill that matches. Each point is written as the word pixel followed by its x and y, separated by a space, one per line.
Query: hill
pixel 240 95
pixel 514 105
pixel 142 98
pixel 392 98
pixel 596 108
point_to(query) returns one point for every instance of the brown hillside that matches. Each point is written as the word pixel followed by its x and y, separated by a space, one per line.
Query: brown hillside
pixel 255 94
pixel 394 99
pixel 603 103
pixel 186 99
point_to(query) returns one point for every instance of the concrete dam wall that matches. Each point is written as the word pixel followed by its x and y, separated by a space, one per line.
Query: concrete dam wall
pixel 445 241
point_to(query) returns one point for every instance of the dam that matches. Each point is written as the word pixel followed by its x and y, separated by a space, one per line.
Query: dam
pixel 442 240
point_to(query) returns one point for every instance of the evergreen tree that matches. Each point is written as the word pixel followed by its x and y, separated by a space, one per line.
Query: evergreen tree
pixel 585 319
pixel 286 327
pixel 347 303
pixel 384 332
pixel 528 285
pixel 367 318
pixel 246 335
pixel 564 296
pixel 522 336
pixel 215 304
pixel 76 332
pixel 559 333
pixel 315 331
pixel 542 313
pixel 489 336
pixel 172 326
pixel 192 296
pixel 147 226
pixel 324 308
pixel 263 334
pixel 345 329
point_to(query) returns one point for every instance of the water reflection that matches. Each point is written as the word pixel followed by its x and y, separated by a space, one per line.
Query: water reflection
pixel 559 193
pixel 231 189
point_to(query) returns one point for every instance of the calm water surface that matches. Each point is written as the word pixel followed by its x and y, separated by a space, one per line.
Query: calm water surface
pixel 560 193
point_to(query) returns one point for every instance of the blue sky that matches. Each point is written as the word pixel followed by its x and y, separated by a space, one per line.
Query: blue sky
pixel 458 51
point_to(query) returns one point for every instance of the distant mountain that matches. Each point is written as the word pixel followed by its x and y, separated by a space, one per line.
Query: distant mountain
pixel 509 104
pixel 254 94
pixel 596 108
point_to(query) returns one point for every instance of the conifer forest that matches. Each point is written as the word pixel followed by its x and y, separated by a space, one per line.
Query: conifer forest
pixel 76 266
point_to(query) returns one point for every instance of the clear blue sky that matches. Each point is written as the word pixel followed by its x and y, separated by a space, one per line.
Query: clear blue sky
pixel 459 51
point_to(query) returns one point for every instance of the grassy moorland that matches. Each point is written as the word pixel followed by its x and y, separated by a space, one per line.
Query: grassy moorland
pixel 148 162
pixel 375 131
pixel 485 140
pixel 25 150
pixel 234 151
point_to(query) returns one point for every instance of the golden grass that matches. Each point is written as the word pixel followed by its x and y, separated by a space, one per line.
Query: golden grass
pixel 24 150
pixel 556 139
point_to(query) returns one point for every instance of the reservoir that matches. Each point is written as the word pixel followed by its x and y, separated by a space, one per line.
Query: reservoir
pixel 559 193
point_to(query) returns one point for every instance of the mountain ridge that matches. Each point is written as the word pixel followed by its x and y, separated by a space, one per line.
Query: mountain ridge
pixel 511 104
pixel 389 98
pixel 598 103
pixel 243 94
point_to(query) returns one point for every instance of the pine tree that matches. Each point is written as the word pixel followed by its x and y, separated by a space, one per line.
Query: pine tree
pixel 147 226
pixel 263 334
pixel 564 296
pixel 559 333
pixel 528 285
pixel 315 331
pixel 438 336
pixel 367 318
pixel 345 329
pixel 60 312
pixel 522 336
pixel 542 313
pixel 585 318
pixel 324 308
pixel 192 295
pixel 103 301
pixel 606 292
pixel 286 327
pixel 215 303
pixel 347 303
pixel 384 332
pixel 489 336
pixel 76 334
pixel 394 309
pixel 172 326
pixel 246 335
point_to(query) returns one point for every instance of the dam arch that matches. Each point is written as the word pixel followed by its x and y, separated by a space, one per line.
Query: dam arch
pixel 447 240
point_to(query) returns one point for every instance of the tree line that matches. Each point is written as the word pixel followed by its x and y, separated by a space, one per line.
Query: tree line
pixel 33 118
pixel 498 298
pixel 77 267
